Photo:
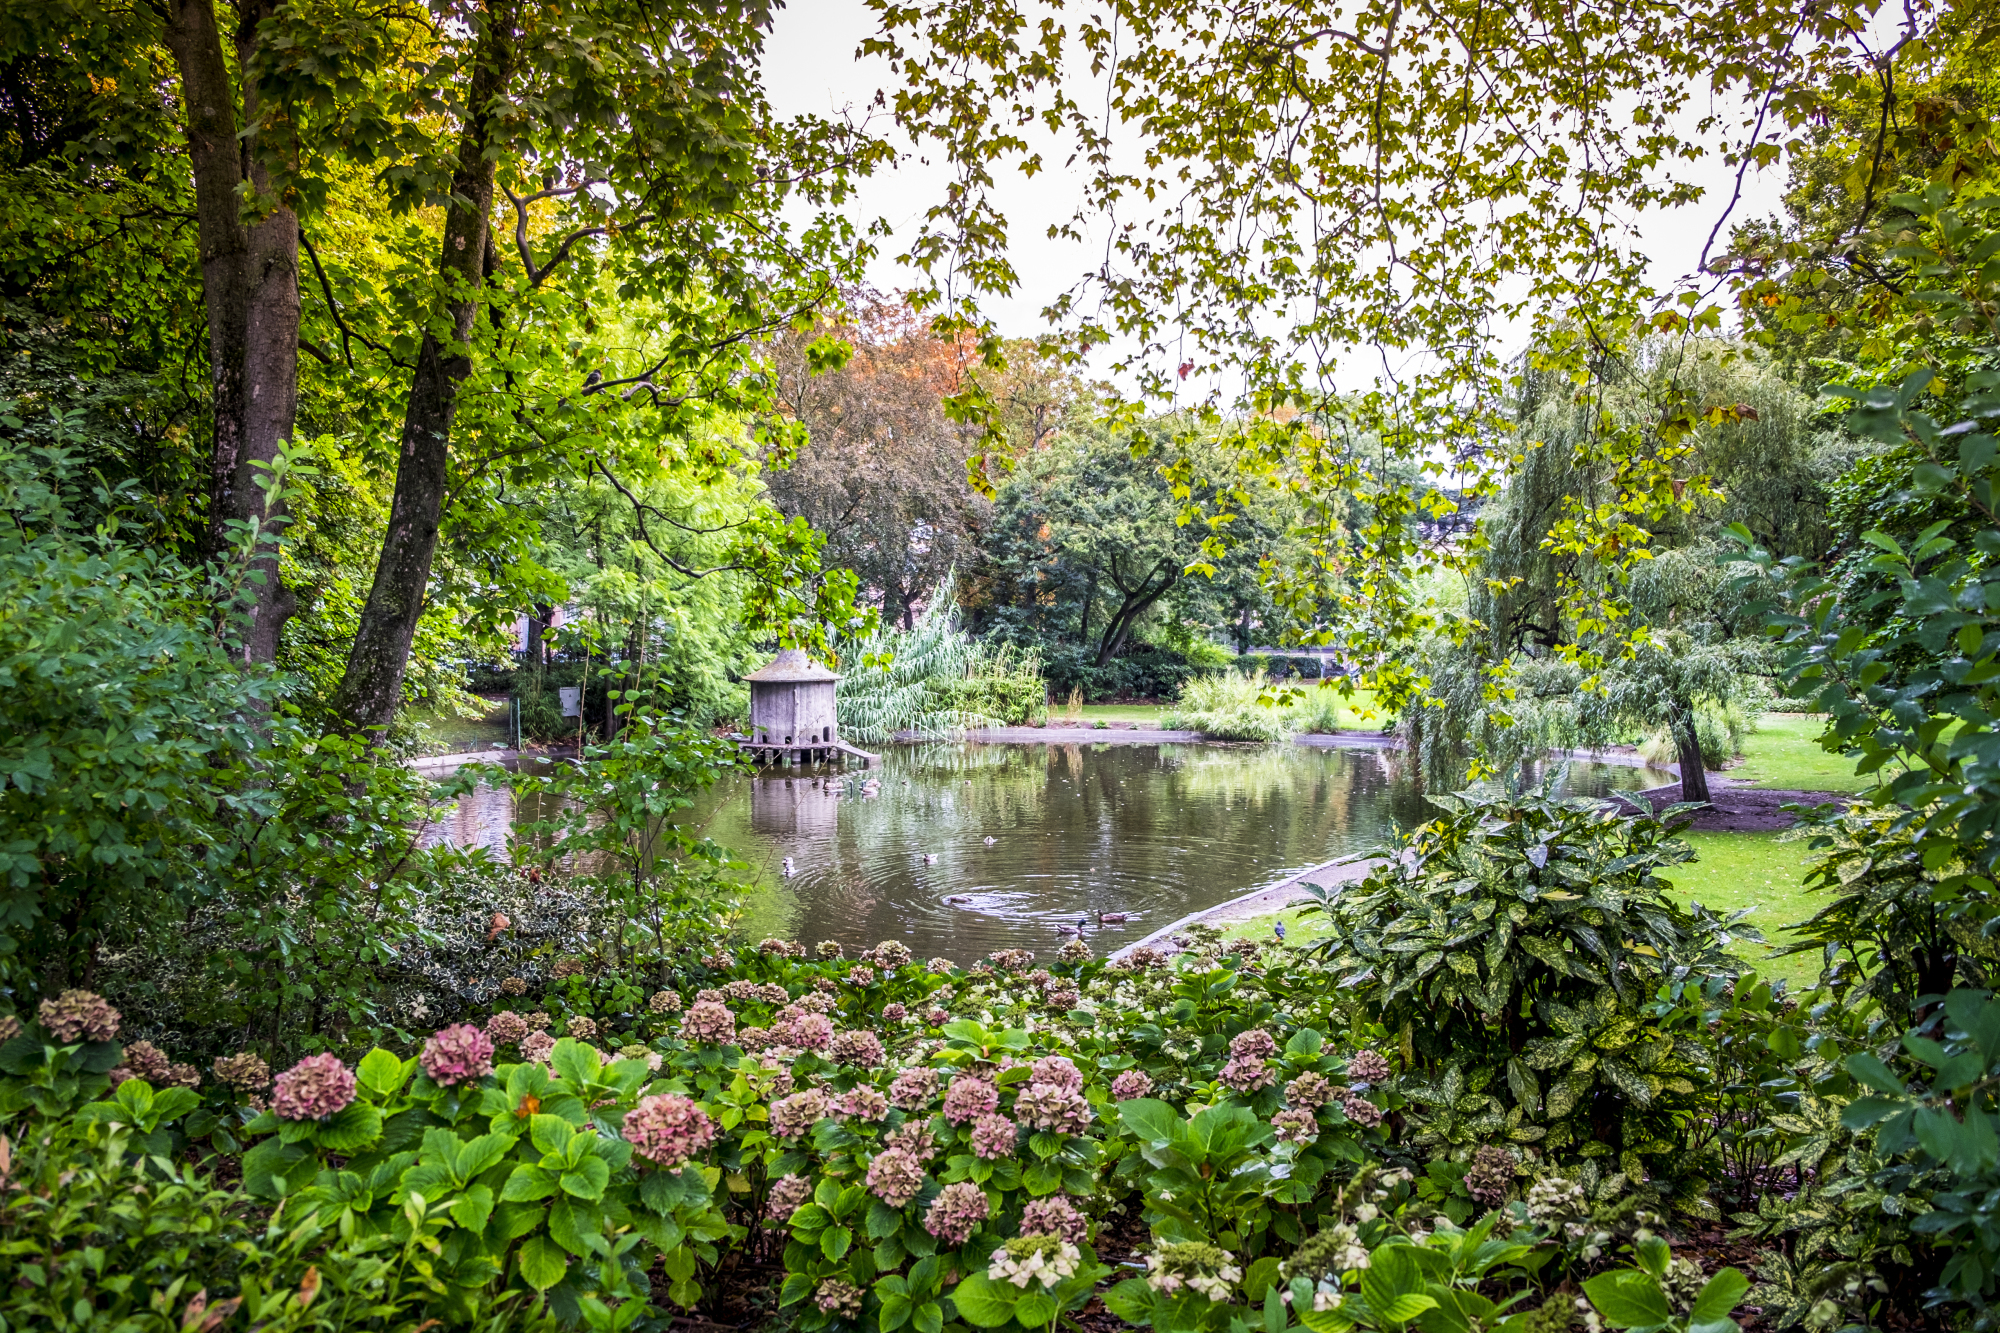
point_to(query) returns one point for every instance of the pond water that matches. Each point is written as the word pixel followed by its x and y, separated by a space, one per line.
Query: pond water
pixel 1154 831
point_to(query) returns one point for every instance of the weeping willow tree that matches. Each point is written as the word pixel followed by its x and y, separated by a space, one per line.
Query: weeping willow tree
pixel 1516 678
pixel 915 680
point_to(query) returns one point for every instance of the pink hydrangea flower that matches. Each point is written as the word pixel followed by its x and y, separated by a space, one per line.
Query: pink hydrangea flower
pixel 801 1027
pixel 1055 1216
pixel 1295 1126
pixel 506 1028
pixel 708 1021
pixel 839 1297
pixel 1053 1107
pixel 1360 1110
pixel 894 1013
pixel 79 1015
pixel 863 1103
pixel 993 1136
pixel 895 1177
pixel 1057 1069
pixel 665 1002
pixel 1132 1083
pixel 537 1047
pixel 1368 1067
pixel 1308 1092
pixel 913 1137
pixel 861 976
pixel 1246 1076
pixel 795 1115
pixel 144 1060
pixel 457 1054
pixel 861 1048
pixel 968 1098
pixel 668 1130
pixel 936 1014
pixel 1062 998
pixel 787 1194
pixel 1256 1044
pixel 957 1212
pixel 314 1088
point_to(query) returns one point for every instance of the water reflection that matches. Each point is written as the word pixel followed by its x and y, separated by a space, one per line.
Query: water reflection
pixel 959 850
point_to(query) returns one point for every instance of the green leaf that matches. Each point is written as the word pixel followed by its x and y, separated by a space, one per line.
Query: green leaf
pixel 1035 1308
pixel 542 1262
pixel 1628 1298
pixel 350 1129
pixel 929 1318
pixel 527 1184
pixel 1719 1298
pixel 380 1072
pixel 472 1207
pixel 587 1179
pixel 984 1303
pixel 1149 1120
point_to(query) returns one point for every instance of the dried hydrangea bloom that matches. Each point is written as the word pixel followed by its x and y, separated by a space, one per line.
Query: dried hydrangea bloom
pixel 665 1002
pixel 1295 1126
pixel 860 976
pixel 860 1047
pixel 1062 998
pixel 913 1137
pixel 1367 1067
pixel 1308 1092
pixel 1073 952
pixel 1145 958
pixel 537 1047
pixel 581 1027
pixel 1057 1069
pixel 1132 1083
pixel 1360 1110
pixel 830 950
pixel 772 993
pixel 942 967
pixel 787 1194
pixel 540 1021
pixel 668 1130
pixel 753 1039
pixel 742 990
pixel 969 1097
pixel 827 987
pixel 243 1071
pixel 1055 1216
pixel 10 1027
pixel 708 1021
pixel 314 1088
pixel 181 1076
pixel 1027 1258
pixel 914 1088
pixel 567 967
pixel 794 1116
pixel 717 961
pixel 1053 1107
pixel 79 1015
pixel 1039 978
pixel 937 1014
pixel 780 948
pixel 506 1028
pixel 836 1296
pixel 993 1136
pixel 894 1013
pixel 774 1076
pixel 144 1060
pixel 515 986
pixel 803 1028
pixel 1246 1076
pixel 890 955
pixel 863 1103
pixel 1491 1176
pixel 710 995
pixel 957 1212
pixel 458 1054
pixel 1012 960
pixel 895 1177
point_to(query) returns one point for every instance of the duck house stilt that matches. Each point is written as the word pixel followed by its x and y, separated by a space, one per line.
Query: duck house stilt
pixel 793 718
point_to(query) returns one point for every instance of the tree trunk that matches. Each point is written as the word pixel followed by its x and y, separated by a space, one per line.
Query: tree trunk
pixel 1135 605
pixel 250 291
pixel 372 687
pixel 1694 774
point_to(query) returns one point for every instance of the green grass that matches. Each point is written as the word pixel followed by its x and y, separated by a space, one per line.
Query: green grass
pixel 1784 753
pixel 1147 715
pixel 1347 715
pixel 1732 870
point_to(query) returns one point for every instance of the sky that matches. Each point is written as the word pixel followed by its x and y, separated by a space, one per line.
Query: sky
pixel 811 67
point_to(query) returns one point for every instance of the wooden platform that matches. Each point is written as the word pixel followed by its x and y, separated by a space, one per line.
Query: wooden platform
pixel 766 752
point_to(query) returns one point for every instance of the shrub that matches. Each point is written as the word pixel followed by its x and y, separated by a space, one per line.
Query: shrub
pixel 1229 707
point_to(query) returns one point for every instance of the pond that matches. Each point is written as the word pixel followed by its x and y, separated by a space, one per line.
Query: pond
pixel 1026 837
pixel 1022 838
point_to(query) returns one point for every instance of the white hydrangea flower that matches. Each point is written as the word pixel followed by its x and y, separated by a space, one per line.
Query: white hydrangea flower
pixel 1043 1259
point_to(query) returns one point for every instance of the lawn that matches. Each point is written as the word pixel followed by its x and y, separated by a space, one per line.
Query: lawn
pixel 1784 753
pixel 1346 714
pixel 1732 870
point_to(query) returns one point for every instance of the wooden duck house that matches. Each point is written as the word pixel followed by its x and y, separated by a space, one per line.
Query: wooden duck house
pixel 793 717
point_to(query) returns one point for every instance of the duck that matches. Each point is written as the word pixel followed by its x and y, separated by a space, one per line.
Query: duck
pixel 958 899
pixel 785 867
pixel 1077 929
pixel 1112 918
pixel 930 858
pixel 990 840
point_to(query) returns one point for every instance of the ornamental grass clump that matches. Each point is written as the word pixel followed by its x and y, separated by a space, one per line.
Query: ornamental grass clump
pixel 668 1130
pixel 457 1054
pixel 79 1015
pixel 313 1089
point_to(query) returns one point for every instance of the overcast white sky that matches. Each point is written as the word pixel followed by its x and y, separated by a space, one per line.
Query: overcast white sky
pixel 811 66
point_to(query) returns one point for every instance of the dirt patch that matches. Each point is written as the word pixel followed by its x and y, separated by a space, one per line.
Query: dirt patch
pixel 1741 809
